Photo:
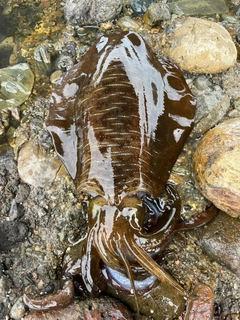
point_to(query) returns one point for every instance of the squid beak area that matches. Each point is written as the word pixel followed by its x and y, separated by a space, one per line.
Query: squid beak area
pixel 139 272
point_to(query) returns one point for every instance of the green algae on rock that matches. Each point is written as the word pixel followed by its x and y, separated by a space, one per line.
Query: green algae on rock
pixel 16 84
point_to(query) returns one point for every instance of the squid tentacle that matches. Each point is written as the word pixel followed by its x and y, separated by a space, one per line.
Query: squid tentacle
pixel 61 299
pixel 122 254
pixel 150 265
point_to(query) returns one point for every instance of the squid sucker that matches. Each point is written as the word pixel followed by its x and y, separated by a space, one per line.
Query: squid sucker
pixel 118 120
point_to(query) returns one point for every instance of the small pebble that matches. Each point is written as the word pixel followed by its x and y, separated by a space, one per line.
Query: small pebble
pixel 18 310
pixel 156 13
pixel 127 23
pixel 201 82
pixel 55 76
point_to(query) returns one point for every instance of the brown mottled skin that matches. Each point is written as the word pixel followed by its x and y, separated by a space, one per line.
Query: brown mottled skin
pixel 119 120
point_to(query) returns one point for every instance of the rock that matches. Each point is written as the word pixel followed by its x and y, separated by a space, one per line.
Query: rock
pixel 127 23
pixel 42 57
pixel 203 7
pixel 221 241
pixel 5 285
pixel 200 46
pixel 211 108
pixel 85 12
pixel 18 310
pixel 36 167
pixel 16 211
pixel 231 85
pixel 156 13
pixel 94 309
pixel 216 166
pixel 16 84
pixel 200 304
pixel 55 76
pixel 67 57
pixel 22 193
pixel 6 49
pixel 140 6
pixel 201 82
pixel 11 233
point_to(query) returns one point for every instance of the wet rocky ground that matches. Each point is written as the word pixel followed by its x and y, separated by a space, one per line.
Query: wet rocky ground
pixel 41 213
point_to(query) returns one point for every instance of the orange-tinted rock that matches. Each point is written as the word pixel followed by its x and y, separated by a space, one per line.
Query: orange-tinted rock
pixel 200 304
pixel 217 166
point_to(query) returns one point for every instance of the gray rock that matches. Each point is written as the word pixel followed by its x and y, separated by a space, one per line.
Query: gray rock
pixel 42 57
pixel 201 82
pixel 211 107
pixel 16 210
pixel 221 241
pixel 18 310
pixel 193 7
pixel 140 6
pixel 93 12
pixel 11 233
pixel 15 85
pixel 156 13
pixel 22 193
pixel 127 23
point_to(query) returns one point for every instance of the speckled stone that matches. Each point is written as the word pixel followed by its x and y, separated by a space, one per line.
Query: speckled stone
pixel 85 12
pixel 216 166
pixel 203 7
pixel 211 108
pixel 156 13
pixel 200 46
pixel 36 167
pixel 221 241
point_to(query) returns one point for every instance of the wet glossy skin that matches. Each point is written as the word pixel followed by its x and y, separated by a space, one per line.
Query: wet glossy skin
pixel 119 120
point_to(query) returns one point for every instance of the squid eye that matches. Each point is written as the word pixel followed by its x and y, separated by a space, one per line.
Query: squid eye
pixel 95 207
pixel 134 209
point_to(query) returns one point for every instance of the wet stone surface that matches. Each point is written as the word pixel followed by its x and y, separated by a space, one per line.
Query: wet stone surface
pixel 205 7
pixel 11 233
pixel 84 12
pixel 40 222
pixel 216 166
pixel 36 167
pixel 16 84
pixel 219 50
pixel 220 240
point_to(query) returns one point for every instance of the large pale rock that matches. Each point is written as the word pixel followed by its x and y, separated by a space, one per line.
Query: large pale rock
pixel 36 167
pixel 217 167
pixel 200 46
pixel 16 84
